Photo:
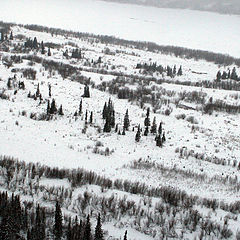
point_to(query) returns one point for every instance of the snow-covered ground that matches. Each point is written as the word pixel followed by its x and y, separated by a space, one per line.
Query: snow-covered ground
pixel 185 28
pixel 62 143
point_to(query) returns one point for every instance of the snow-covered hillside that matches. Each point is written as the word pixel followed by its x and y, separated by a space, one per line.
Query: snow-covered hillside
pixel 185 28
pixel 201 152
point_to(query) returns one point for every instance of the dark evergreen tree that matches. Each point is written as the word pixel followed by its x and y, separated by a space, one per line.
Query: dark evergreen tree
pixel 91 118
pixel 60 111
pixel 9 83
pixel 50 90
pixel 123 132
pixel 58 231
pixel 160 129
pixel 163 138
pixel 11 36
pixel 35 43
pixel 180 73
pixel 86 92
pixel 125 235
pixel 126 121
pixel 48 107
pixel 219 76
pixel 147 122
pixel 87 229
pixel 105 113
pixel 138 134
pixel 42 48
pixel 154 126
pixel 53 108
pixel 98 229
pixel 38 91
pixel 116 128
pixel 49 52
pixel 86 116
pixel 80 108
pixel 158 141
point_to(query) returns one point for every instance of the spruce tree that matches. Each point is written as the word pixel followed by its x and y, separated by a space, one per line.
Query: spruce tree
pixel 49 52
pixel 104 113
pixel 11 36
pixel 35 43
pixel 138 134
pixel 98 229
pixel 42 48
pixel 60 111
pixel 48 107
pixel 147 122
pixel 219 76
pixel 80 108
pixel 160 129
pixel 91 118
pixel 154 126
pixel 126 121
pixel 53 108
pixel 179 73
pixel 58 222
pixel 125 235
pixel 87 229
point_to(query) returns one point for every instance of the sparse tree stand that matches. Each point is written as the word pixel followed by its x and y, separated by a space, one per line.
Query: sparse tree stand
pixel 98 229
pixel 58 222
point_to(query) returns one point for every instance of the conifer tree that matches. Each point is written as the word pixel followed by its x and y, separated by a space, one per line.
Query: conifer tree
pixel 123 132
pixel 147 122
pixel 126 121
pixel 104 113
pixel 116 128
pixel 38 91
pixel 42 48
pixel 49 52
pixel 160 129
pixel 98 229
pixel 154 126
pixel 35 43
pixel 179 73
pixel 53 108
pixel 60 111
pixel 86 116
pixel 219 76
pixel 125 235
pixel 50 90
pixel 87 229
pixel 86 92
pixel 80 107
pixel 48 107
pixel 11 36
pixel 138 134
pixel 58 222
pixel 91 118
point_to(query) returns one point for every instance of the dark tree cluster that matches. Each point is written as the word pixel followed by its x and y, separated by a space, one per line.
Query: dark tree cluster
pixel 159 134
pixel 76 53
pixel 153 67
pixel 32 44
pixel 109 115
pixel 52 108
pixel 228 75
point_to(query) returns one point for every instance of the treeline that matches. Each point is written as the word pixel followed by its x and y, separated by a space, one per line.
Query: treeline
pixel 217 58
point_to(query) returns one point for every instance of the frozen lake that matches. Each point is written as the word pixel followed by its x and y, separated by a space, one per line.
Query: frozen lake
pixel 185 28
